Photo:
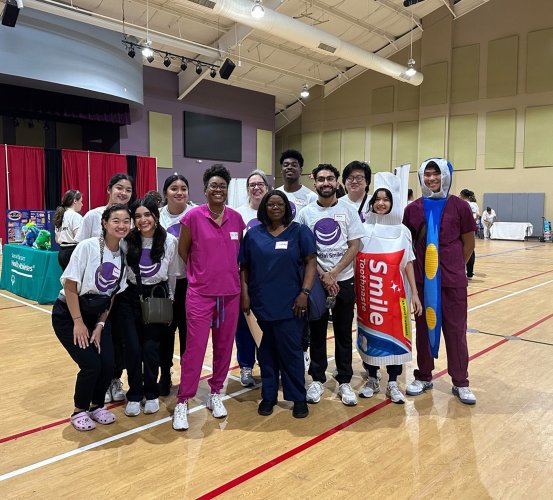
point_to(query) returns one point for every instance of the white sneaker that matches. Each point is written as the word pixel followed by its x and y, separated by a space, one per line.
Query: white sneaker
pixel 116 388
pixel 393 392
pixel 216 406
pixel 180 417
pixel 107 397
pixel 314 392
pixel 348 396
pixel 378 374
pixel 151 406
pixel 132 409
pixel 464 394
pixel 417 387
pixel 306 360
pixel 371 387
pixel 246 377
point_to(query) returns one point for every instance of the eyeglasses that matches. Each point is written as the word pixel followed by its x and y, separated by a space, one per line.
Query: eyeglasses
pixel 355 178
pixel 275 205
pixel 253 185
pixel 217 187
pixel 330 178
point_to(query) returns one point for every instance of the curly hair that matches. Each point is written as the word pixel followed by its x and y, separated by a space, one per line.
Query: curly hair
pixel 217 170
pixel 291 153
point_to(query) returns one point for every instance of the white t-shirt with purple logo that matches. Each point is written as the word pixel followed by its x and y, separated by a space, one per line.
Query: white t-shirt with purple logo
pixel 299 199
pixel 152 273
pixel 333 227
pixel 84 268
pixel 249 216
pixel 172 225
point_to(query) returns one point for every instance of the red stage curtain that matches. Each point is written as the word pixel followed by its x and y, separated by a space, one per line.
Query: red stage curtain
pixel 102 167
pixel 3 194
pixel 146 175
pixel 74 173
pixel 26 177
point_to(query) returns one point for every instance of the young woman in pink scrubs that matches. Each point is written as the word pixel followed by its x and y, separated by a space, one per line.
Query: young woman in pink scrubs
pixel 209 243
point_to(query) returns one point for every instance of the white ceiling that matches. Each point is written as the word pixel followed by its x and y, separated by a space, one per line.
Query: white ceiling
pixel 265 62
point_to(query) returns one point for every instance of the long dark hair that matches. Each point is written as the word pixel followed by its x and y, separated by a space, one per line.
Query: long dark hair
pixel 123 177
pixel 134 238
pixel 68 199
pixel 170 180
pixel 262 210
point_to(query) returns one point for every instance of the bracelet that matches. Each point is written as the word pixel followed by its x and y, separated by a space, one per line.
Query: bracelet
pixel 75 319
pixel 306 291
pixel 102 324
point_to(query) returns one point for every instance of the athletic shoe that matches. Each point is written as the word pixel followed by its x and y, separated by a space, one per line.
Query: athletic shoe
pixel 246 377
pixel 216 406
pixel 348 396
pixel 180 417
pixel 417 387
pixel 393 392
pixel 116 388
pixel 151 406
pixel 371 387
pixel 132 409
pixel 164 384
pixel 314 392
pixel 306 360
pixel 464 394
pixel 265 408
pixel 107 397
pixel 300 409
pixel 378 374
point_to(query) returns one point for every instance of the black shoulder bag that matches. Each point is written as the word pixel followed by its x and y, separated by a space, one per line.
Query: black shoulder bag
pixel 157 310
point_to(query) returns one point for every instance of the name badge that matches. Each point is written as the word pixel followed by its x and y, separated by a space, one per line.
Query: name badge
pixel 340 217
pixel 281 245
pixel 233 235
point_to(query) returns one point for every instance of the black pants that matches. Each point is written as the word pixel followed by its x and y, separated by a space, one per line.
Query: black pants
pixel 342 320
pixel 470 265
pixel 141 346
pixel 394 371
pixel 118 326
pixel 64 255
pixel 167 342
pixel 96 369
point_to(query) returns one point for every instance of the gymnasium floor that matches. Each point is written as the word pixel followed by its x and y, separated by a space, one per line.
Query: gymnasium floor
pixel 431 447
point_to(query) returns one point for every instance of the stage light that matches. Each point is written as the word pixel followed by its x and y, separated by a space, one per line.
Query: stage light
pixel 213 73
pixel 131 52
pixel 183 65
pixel 199 69
pixel 166 61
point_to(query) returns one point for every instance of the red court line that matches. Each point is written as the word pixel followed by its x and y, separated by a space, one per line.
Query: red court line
pixel 509 283
pixel 66 420
pixel 321 437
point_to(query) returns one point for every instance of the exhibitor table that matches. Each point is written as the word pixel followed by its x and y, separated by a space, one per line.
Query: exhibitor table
pixel 511 230
pixel 31 273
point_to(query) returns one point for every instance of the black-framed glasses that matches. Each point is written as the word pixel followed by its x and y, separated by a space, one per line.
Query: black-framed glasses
pixel 272 206
pixel 217 187
pixel 328 178
pixel 355 178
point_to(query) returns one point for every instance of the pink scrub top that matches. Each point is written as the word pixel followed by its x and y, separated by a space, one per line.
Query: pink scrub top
pixel 212 265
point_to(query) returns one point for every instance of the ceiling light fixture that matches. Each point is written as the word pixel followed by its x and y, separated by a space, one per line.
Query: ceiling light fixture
pixel 183 65
pixel 257 10
pixel 166 60
pixel 213 72
pixel 199 69
pixel 304 91
pixel 131 52
pixel 411 70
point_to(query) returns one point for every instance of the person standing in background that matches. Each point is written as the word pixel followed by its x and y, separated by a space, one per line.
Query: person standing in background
pixel 177 203
pixel 257 185
pixel 468 196
pixel 67 221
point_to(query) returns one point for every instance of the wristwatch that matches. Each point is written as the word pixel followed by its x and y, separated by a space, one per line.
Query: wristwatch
pixel 307 291
pixel 101 323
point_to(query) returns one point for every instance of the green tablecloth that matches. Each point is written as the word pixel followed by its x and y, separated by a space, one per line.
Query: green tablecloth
pixel 31 273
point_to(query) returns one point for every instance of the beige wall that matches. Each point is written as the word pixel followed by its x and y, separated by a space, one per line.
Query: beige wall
pixel 488 79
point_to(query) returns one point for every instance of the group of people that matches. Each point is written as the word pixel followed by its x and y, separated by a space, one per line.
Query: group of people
pixel 228 269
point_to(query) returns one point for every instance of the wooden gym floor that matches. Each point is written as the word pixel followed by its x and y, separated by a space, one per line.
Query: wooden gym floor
pixel 431 447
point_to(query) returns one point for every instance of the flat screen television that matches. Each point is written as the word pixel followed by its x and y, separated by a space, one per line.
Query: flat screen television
pixel 212 137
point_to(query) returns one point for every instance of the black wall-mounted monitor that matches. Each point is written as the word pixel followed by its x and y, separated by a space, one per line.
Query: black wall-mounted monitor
pixel 212 137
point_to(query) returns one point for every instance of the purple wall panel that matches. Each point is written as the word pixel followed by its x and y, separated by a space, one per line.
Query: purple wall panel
pixel 254 109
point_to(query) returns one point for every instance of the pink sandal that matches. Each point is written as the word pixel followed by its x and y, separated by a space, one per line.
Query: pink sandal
pixel 82 422
pixel 102 416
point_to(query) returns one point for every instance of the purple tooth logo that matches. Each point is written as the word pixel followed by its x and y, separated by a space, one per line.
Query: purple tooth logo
pixel 327 231
pixel 293 207
pixel 174 229
pixel 147 267
pixel 252 223
pixel 106 277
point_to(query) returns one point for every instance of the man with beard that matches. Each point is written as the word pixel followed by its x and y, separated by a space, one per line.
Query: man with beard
pixel 291 162
pixel 338 231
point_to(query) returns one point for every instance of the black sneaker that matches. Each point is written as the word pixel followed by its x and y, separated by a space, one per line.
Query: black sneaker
pixel 300 409
pixel 164 384
pixel 266 407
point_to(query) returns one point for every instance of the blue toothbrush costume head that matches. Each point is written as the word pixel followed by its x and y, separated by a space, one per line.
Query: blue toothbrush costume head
pixel 434 204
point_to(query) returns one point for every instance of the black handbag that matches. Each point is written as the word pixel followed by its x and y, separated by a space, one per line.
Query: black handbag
pixel 94 304
pixel 155 310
